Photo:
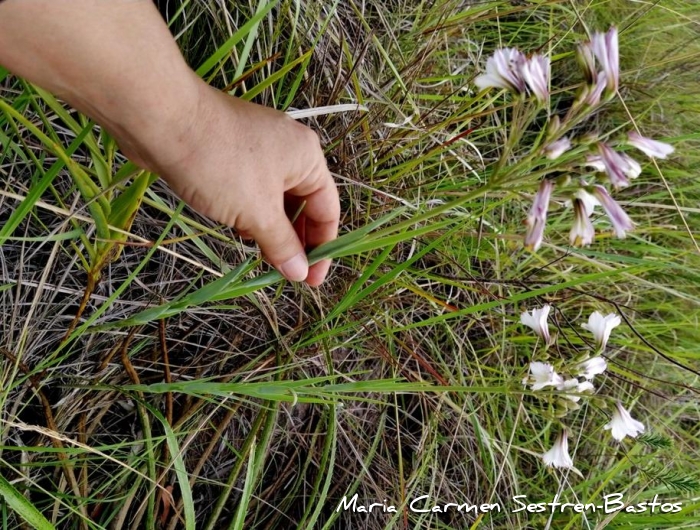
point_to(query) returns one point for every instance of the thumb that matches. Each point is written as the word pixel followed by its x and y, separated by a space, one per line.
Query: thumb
pixel 281 247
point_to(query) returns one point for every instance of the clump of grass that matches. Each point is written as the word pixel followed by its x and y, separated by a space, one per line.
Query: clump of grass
pixel 196 389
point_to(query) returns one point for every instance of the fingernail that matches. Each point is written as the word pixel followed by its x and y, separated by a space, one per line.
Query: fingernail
pixel 295 269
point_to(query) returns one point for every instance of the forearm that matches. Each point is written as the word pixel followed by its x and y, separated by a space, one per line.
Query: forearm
pixel 113 60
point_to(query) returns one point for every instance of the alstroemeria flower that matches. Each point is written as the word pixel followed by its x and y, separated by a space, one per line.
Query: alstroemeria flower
pixel 623 424
pixel 574 385
pixel 503 70
pixel 537 218
pixel 592 367
pixel 542 375
pixel 649 147
pixel 558 455
pixel 537 321
pixel 618 218
pixel 601 327
pixel 616 166
pixel 605 48
pixel 582 231
pixel 535 72
pixel 557 148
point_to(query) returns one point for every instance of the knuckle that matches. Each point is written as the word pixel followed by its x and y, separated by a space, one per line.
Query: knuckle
pixel 312 138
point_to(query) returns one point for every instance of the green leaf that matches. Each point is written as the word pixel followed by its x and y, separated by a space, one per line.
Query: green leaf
pixel 123 212
pixel 183 478
pixel 25 509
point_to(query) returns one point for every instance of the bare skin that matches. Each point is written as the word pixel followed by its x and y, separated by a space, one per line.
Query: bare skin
pixel 236 162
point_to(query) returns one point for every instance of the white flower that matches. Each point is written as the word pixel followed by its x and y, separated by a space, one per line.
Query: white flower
pixel 535 72
pixel 542 375
pixel 503 70
pixel 558 455
pixel 605 48
pixel 622 424
pixel 558 148
pixel 596 162
pixel 618 217
pixel 582 231
pixel 589 201
pixel 592 367
pixel 601 326
pixel 650 147
pixel 634 169
pixel 537 321
pixel 578 388
pixel 537 218
pixel 585 386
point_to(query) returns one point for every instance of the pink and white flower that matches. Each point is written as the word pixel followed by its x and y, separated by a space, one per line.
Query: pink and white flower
pixel 601 327
pixel 596 162
pixel 503 70
pixel 589 201
pixel 616 166
pixel 649 147
pixel 535 73
pixel 623 424
pixel 582 231
pixel 595 91
pixel 605 48
pixel 619 219
pixel 558 455
pixel 557 148
pixel 633 169
pixel 537 218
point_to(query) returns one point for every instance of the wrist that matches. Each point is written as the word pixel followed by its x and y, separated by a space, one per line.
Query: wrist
pixel 154 127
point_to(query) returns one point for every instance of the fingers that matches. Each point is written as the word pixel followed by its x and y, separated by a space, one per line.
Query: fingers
pixel 321 217
pixel 318 272
pixel 281 246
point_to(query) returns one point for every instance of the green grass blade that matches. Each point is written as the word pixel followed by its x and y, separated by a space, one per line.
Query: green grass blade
pixel 25 509
pixel 38 189
pixel 226 47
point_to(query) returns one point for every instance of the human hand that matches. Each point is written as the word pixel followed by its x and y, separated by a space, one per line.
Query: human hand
pixel 251 167
pixel 238 163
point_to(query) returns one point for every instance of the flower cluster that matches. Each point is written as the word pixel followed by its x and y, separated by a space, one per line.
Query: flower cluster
pixel 511 69
pixel 592 159
pixel 575 380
